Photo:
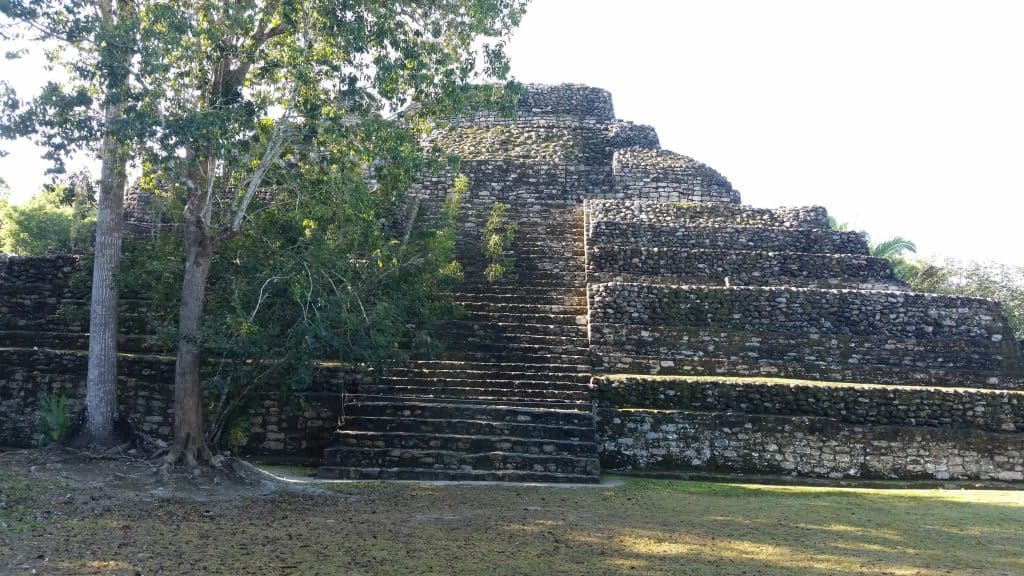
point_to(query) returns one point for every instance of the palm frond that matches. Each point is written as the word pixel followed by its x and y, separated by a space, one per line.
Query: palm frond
pixel 893 247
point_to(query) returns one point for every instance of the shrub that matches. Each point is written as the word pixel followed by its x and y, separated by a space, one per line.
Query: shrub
pixel 54 418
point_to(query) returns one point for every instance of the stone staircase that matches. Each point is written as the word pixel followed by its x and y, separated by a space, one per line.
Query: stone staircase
pixel 510 398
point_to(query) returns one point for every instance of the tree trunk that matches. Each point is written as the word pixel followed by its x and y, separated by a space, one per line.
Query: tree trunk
pixel 189 433
pixel 101 374
pixel 101 379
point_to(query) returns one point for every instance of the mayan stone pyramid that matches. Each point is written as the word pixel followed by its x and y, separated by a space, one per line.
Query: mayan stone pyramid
pixel 649 323
pixel 652 322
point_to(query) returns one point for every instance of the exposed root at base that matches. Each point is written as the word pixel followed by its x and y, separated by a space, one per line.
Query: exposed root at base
pixel 192 456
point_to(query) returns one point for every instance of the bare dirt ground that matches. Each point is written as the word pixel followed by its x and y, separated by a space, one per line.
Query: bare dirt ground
pixel 62 513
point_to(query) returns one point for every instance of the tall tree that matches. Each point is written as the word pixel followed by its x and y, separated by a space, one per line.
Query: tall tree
pixel 117 25
pixel 243 81
pixel 95 42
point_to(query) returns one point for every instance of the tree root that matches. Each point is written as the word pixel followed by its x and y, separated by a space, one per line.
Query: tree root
pixel 191 455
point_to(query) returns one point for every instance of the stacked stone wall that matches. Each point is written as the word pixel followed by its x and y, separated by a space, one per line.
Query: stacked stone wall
pixel 710 214
pixel 543 141
pixel 740 267
pixel 671 235
pixel 862 404
pixel 36 271
pixel 941 362
pixel 273 426
pixel 43 343
pixel 844 335
pixel 515 182
pixel 661 175
pixel 728 442
pixel 799 310
pixel 563 102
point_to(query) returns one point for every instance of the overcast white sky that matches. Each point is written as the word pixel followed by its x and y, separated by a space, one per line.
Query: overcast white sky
pixel 902 117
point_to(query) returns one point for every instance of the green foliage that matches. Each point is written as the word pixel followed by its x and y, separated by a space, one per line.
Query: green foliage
pixel 285 105
pixel 497 239
pixel 319 275
pixel 1001 282
pixel 836 225
pixel 54 418
pixel 58 219
pixel 892 248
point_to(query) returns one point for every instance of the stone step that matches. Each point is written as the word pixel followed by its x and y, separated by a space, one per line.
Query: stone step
pixel 573 384
pixel 855 403
pixel 741 267
pixel 493 367
pixel 517 329
pixel 555 234
pixel 509 297
pixel 72 341
pixel 35 291
pixel 531 209
pixel 471 427
pixel 798 311
pixel 467 352
pixel 499 318
pixel 460 373
pixel 459 461
pixel 504 401
pixel 569 246
pixel 779 347
pixel 470 444
pixel 766 368
pixel 483 287
pixel 478 283
pixel 434 475
pixel 52 321
pixel 552 265
pixel 522 308
pixel 559 347
pixel 651 234
pixel 531 261
pixel 515 276
pixel 792 282
pixel 449 390
pixel 484 336
pixel 435 410
pixel 534 292
pixel 707 214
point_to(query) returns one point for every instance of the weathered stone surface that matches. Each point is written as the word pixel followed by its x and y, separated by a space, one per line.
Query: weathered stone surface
pixel 798 310
pixel 739 268
pixel 870 404
pixel 802 446
pixel 662 175
pixel 706 214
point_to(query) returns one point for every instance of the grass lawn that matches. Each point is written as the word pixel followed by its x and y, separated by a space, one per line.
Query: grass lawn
pixel 636 527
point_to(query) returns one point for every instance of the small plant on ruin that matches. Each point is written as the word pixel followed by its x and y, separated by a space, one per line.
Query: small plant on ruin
pixel 54 418
pixel 497 239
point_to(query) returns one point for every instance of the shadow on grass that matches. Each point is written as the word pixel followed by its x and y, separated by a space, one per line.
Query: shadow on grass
pixel 685 527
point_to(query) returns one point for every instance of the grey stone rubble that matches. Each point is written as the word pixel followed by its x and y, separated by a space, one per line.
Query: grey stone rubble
pixel 650 322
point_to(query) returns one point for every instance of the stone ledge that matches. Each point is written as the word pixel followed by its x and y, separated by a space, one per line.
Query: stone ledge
pixel 798 310
pixel 674 235
pixel 677 345
pixel 700 214
pixel 742 267
pixel 853 403
pixel 667 176
pixel 805 446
